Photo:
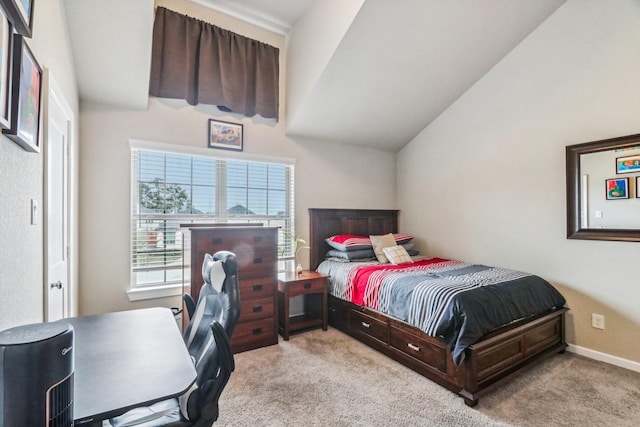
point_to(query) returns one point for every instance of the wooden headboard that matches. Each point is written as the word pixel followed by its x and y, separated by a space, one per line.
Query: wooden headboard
pixel 363 222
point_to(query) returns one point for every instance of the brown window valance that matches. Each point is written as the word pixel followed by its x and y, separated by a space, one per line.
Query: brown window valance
pixel 201 63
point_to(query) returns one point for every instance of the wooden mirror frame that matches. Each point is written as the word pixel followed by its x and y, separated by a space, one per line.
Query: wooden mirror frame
pixel 574 230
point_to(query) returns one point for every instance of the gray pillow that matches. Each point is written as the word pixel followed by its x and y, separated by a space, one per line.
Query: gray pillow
pixel 364 254
pixel 352 255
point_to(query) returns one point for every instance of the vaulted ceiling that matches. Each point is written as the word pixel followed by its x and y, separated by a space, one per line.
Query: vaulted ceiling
pixel 383 74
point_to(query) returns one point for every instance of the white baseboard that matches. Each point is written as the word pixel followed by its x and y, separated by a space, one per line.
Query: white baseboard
pixel 604 357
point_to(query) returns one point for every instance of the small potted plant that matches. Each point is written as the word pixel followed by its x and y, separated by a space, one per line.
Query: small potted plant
pixel 298 245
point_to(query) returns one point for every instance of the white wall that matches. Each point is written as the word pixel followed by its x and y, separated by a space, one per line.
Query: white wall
pixel 21 179
pixel 327 175
pixel 310 45
pixel 485 182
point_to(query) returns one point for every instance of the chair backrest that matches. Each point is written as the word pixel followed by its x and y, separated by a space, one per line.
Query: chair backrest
pixel 219 300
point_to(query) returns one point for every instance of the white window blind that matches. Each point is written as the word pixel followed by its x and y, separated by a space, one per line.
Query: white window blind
pixel 170 189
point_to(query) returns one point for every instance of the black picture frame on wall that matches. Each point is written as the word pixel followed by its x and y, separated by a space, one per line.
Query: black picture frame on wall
pixel 20 14
pixel 26 93
pixel 617 188
pixel 6 44
pixel 225 135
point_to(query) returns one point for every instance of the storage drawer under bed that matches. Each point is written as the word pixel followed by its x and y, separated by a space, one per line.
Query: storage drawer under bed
pixel 368 327
pixel 418 348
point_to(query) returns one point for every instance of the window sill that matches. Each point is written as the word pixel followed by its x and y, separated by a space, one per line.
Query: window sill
pixel 163 291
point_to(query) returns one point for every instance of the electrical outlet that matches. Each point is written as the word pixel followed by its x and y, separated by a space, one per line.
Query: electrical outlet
pixel 597 321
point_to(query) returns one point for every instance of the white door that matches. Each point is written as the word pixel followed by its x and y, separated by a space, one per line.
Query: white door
pixel 58 124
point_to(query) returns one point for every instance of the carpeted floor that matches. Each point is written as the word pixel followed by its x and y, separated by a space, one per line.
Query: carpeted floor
pixel 329 379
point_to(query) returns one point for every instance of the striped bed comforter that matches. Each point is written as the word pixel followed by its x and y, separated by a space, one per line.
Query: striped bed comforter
pixel 456 301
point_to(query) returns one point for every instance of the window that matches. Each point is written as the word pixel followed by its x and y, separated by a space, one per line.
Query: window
pixel 172 188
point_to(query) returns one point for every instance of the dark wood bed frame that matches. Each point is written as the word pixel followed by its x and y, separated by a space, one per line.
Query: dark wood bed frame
pixel 497 355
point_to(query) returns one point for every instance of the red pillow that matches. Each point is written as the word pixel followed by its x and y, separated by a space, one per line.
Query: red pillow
pixel 348 242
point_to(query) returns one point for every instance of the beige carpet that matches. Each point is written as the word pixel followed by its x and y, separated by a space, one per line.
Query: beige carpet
pixel 329 379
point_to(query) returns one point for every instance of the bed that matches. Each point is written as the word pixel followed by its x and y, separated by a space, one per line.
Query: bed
pixel 468 369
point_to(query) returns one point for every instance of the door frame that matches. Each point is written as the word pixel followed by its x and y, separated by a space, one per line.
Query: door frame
pixel 54 94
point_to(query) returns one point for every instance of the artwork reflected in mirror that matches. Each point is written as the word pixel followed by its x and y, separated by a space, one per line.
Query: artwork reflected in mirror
pixel 617 188
pixel 628 164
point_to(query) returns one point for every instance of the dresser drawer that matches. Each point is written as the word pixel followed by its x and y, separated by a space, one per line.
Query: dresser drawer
pixel 256 288
pixel 256 263
pixel 254 309
pixel 258 333
pixel 233 240
pixel 418 348
pixel 363 325
pixel 308 286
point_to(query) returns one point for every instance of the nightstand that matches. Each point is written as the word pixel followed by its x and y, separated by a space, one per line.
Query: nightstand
pixel 314 287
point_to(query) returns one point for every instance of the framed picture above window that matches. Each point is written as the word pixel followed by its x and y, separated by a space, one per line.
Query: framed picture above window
pixel 617 188
pixel 26 89
pixel 20 14
pixel 6 34
pixel 225 135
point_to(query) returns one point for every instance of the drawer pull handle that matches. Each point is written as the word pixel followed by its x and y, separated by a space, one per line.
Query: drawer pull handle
pixel 257 260
pixel 257 288
pixel 307 285
pixel 216 240
pixel 257 309
pixel 366 325
pixel 257 239
pixel 413 347
pixel 257 331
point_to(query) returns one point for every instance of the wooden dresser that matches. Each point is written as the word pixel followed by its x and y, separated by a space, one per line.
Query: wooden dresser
pixel 257 252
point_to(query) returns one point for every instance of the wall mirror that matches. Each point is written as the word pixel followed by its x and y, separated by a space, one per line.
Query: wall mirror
pixel 603 189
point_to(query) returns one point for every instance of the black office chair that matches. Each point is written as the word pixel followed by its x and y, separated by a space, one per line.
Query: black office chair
pixel 208 341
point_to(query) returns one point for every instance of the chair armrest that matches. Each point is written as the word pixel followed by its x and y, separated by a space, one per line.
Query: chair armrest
pixel 226 364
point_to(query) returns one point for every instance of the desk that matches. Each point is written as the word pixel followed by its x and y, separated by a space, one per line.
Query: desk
pixel 127 359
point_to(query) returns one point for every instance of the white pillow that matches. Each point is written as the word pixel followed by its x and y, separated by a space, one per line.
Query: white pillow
pixel 397 255
pixel 381 242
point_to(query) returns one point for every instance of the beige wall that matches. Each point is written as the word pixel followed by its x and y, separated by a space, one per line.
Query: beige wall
pixel 485 182
pixel 311 44
pixel 327 175
pixel 21 179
